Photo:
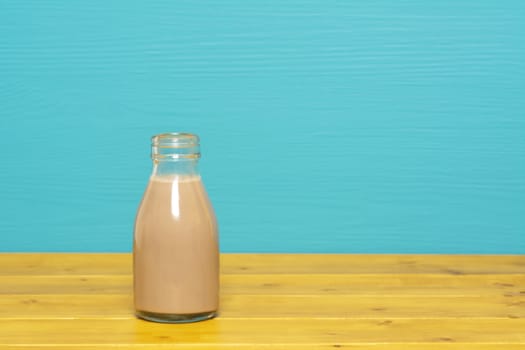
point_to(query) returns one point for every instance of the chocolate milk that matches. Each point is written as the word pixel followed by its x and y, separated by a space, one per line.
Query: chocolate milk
pixel 176 255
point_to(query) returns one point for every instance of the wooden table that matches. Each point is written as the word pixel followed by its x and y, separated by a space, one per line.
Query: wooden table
pixel 269 301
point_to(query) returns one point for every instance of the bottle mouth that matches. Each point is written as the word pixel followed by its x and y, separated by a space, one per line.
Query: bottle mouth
pixel 175 145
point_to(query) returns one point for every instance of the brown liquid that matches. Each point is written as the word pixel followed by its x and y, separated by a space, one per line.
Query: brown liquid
pixel 176 255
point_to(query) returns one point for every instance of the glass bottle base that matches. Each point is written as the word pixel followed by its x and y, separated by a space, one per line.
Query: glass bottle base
pixel 175 318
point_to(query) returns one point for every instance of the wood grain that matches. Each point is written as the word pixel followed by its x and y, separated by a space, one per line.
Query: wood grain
pixel 257 331
pixel 353 346
pixel 120 306
pixel 120 264
pixel 324 284
pixel 366 302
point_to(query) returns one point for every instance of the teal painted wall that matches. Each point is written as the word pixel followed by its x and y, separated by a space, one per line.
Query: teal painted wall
pixel 327 126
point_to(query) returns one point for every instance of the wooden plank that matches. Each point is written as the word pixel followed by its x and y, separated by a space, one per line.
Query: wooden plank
pixel 262 331
pixel 65 263
pixel 120 264
pixel 448 308
pixel 321 284
pixel 273 306
pixel 273 346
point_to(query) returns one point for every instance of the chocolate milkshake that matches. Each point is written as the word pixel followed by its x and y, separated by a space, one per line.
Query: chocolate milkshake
pixel 176 254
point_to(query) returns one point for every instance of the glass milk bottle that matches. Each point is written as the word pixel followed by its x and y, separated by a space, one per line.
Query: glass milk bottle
pixel 175 246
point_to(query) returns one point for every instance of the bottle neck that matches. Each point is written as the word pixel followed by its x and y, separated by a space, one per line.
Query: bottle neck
pixel 175 167
pixel 175 154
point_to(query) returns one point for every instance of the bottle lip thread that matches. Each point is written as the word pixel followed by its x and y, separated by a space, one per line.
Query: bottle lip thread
pixel 175 145
pixel 175 139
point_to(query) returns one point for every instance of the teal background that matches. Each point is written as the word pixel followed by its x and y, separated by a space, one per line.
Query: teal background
pixel 327 126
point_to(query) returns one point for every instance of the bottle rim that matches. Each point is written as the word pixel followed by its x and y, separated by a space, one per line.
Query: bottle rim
pixel 175 145
pixel 174 139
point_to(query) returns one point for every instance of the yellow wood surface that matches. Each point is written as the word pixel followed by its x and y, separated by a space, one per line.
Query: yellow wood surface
pixel 272 301
pixel 120 264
